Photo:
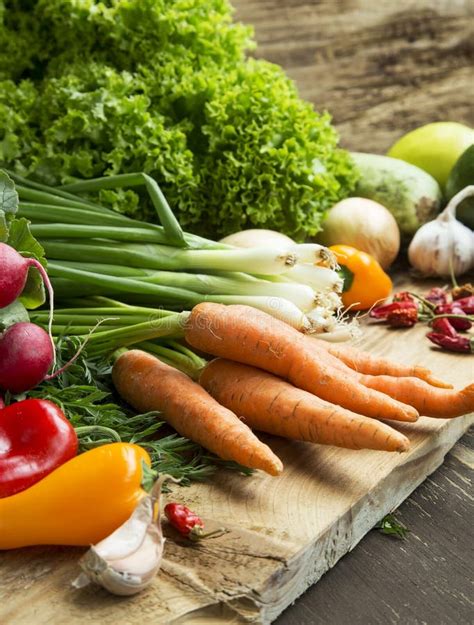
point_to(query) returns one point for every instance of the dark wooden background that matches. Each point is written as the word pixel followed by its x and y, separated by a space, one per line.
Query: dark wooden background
pixel 382 68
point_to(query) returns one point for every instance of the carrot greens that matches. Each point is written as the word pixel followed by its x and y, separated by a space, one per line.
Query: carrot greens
pixel 85 394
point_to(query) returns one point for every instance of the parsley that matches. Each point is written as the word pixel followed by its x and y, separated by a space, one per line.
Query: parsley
pixel 85 395
pixel 390 526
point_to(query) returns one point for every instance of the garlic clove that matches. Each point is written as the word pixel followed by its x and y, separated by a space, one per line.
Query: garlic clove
pixel 126 561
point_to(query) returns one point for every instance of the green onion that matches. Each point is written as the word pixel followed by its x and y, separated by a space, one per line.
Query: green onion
pixel 165 214
pixel 319 278
pixel 228 284
pixel 25 183
pixel 51 213
pixel 154 256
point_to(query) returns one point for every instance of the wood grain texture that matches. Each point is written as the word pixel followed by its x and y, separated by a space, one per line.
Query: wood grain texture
pixel 423 579
pixel 380 68
pixel 286 532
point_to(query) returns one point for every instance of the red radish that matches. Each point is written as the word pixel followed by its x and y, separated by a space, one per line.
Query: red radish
pixel 26 356
pixel 14 272
pixel 13 275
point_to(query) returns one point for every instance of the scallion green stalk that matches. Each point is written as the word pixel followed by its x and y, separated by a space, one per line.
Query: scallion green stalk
pixel 54 214
pixel 166 216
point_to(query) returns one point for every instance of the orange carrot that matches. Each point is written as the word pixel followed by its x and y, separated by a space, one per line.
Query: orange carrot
pixel 148 384
pixel 428 400
pixel 272 405
pixel 252 337
pixel 373 365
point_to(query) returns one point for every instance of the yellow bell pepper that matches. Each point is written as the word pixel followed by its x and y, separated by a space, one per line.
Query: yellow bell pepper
pixel 366 283
pixel 79 503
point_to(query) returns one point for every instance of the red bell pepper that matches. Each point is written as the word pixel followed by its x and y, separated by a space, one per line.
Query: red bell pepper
pixel 35 438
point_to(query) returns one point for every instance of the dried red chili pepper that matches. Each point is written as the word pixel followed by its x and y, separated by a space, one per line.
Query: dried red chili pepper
pixel 405 318
pixel 35 439
pixel 382 312
pixel 466 304
pixel 187 522
pixel 458 343
pixel 443 326
pixel 457 322
pixel 437 295
pixel 403 296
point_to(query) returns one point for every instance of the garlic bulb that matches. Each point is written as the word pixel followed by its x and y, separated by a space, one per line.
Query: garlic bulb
pixel 444 246
pixel 127 561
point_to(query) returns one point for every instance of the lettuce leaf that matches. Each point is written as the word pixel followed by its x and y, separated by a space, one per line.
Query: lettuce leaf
pixel 166 88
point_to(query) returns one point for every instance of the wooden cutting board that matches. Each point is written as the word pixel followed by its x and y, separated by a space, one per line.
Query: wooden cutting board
pixel 285 532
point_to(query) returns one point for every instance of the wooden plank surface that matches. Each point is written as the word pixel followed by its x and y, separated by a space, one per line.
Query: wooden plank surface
pixel 285 532
pixel 380 67
pixel 426 578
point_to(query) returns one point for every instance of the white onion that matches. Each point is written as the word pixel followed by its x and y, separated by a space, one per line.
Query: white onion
pixel 258 237
pixel 365 225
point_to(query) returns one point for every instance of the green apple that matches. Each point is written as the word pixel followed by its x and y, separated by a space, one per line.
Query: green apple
pixel 435 147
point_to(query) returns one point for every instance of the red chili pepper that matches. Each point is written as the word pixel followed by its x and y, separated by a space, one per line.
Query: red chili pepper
pixel 35 438
pixel 467 304
pixel 443 326
pixel 437 296
pixel 382 312
pixel 187 522
pixel 453 344
pixel 403 296
pixel 405 318
pixel 454 309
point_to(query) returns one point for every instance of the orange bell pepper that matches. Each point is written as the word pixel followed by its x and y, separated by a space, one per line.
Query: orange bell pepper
pixel 365 282
pixel 79 503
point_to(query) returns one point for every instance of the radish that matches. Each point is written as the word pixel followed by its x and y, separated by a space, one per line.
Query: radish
pixel 26 356
pixel 13 276
pixel 14 273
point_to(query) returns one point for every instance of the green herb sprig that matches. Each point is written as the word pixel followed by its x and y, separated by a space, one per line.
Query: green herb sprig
pixel 85 395
pixel 390 526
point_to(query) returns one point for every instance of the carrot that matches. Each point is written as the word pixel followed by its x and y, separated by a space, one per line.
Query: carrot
pixel 366 363
pixel 272 405
pixel 252 337
pixel 428 400
pixel 148 384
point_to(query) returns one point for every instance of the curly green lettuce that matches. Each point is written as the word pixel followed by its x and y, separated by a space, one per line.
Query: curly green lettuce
pixel 93 88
